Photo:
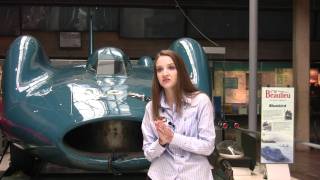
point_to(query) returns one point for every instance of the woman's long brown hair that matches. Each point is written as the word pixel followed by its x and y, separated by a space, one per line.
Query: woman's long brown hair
pixel 184 85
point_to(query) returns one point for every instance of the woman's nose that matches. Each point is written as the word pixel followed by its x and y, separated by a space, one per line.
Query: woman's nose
pixel 165 71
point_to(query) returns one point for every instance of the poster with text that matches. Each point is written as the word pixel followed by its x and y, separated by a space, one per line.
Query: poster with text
pixel 277 125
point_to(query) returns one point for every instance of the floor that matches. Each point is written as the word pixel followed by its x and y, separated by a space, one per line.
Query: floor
pixel 306 167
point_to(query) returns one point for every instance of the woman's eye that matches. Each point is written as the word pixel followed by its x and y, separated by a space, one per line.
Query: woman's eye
pixel 172 67
pixel 159 69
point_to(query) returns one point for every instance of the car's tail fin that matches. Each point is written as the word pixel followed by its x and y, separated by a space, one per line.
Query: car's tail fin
pixel 196 61
pixel 25 65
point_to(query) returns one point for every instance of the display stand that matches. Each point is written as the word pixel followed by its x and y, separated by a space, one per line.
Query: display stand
pixel 278 172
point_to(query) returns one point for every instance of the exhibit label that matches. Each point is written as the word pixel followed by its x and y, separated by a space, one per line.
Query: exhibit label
pixel 277 124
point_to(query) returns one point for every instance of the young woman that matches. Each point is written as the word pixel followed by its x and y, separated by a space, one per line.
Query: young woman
pixel 178 128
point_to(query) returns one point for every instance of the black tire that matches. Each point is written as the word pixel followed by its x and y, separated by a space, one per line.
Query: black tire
pixel 3 142
pixel 23 161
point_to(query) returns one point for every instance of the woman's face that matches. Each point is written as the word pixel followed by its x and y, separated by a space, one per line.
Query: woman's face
pixel 166 72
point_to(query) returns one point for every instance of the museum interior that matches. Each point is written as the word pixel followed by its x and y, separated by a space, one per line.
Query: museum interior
pixel 286 54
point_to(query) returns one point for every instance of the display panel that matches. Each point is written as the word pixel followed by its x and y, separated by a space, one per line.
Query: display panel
pixel 70 40
pixel 40 18
pixel 9 17
pixel 48 18
pixel 151 23
pixel 231 83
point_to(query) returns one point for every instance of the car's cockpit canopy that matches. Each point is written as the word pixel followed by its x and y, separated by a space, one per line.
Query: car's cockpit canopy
pixel 108 61
pixel 110 67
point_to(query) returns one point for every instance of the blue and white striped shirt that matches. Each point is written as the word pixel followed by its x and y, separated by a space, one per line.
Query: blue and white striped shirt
pixel 194 136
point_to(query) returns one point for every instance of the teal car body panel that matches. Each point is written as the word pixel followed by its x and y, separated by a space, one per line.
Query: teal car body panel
pixel 79 116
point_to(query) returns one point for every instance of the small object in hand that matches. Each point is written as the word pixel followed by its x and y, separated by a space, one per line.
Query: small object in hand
pixel 169 123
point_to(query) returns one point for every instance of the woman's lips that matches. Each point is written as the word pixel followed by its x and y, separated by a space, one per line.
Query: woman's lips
pixel 165 80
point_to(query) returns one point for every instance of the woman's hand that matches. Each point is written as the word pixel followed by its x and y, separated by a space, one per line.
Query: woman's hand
pixel 165 132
